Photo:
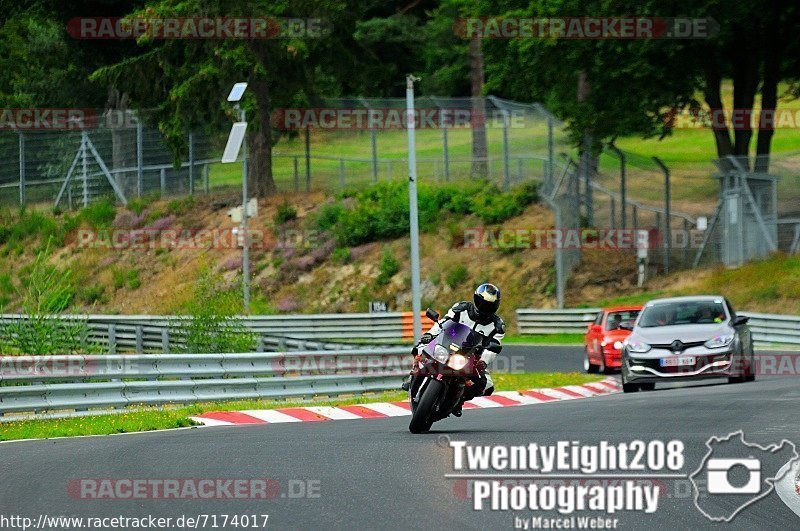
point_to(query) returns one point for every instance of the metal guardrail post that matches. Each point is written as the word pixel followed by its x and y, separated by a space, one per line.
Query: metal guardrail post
pixel 163 181
pixel 165 340
pixel 112 338
pixel 139 339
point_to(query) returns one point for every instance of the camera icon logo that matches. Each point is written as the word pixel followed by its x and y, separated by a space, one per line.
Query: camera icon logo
pixel 735 474
pixel 718 481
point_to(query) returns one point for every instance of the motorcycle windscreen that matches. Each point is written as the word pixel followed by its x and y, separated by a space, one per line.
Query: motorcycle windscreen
pixel 459 335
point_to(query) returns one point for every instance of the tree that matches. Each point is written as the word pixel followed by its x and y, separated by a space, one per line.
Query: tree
pixel 185 81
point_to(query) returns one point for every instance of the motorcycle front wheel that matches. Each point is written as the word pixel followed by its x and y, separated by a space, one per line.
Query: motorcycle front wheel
pixel 422 417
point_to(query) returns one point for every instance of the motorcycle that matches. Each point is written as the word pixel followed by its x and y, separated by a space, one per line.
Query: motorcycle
pixel 442 370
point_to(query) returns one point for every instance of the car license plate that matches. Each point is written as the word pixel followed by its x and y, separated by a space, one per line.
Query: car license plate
pixel 680 361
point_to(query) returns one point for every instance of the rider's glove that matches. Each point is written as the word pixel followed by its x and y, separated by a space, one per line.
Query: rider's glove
pixel 426 338
pixel 481 365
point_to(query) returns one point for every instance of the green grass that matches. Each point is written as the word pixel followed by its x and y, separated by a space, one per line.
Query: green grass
pixel 544 339
pixel 177 417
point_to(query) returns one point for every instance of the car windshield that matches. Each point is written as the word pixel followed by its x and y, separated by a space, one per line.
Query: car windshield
pixel 683 313
pixel 615 319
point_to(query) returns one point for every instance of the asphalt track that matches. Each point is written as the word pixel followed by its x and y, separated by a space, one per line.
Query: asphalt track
pixel 373 474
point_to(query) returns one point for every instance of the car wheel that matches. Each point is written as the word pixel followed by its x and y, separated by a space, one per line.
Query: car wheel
pixel 588 366
pixel 647 386
pixel 742 376
pixel 751 370
pixel 602 368
pixel 630 388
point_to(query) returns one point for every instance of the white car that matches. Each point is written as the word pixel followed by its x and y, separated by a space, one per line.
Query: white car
pixel 687 338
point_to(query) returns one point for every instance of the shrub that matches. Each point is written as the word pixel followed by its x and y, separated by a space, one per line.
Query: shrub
pixel 380 212
pixel 133 280
pixel 388 268
pixel 213 326
pixel 285 212
pixel 46 292
pixel 341 255
pixel 100 214
pixel 457 276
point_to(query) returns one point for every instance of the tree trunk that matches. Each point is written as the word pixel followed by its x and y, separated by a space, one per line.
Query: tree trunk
pixel 479 152
pixel 259 171
pixel 719 124
pixel 769 100
pixel 745 83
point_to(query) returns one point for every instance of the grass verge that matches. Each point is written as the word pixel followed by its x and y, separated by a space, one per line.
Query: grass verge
pixel 544 339
pixel 177 417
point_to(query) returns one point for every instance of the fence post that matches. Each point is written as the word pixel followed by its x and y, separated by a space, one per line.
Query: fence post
pixel 519 170
pixel 296 176
pixel 139 339
pixel 374 142
pixel 506 169
pixel 341 173
pixel 84 147
pixel 112 338
pixel 635 215
pixel 667 219
pixel 686 241
pixel 622 184
pixel 308 160
pixel 191 163
pixel 21 168
pixel 445 154
pixel 612 212
pixel 550 150
pixel 139 159
pixel 163 181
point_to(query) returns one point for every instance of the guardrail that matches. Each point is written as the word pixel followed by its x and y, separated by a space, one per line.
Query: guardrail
pixel 161 333
pixel 572 321
pixel 36 384
pixel 766 328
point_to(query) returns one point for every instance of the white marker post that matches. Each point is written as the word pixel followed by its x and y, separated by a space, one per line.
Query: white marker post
pixel 416 303
pixel 235 142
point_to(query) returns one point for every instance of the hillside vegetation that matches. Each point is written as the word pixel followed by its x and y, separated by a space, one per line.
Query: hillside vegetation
pixel 337 253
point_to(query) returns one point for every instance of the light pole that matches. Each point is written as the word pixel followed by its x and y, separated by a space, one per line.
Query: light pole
pixel 416 303
pixel 235 143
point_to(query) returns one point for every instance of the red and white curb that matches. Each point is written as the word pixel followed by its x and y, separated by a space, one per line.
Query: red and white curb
pixel 399 409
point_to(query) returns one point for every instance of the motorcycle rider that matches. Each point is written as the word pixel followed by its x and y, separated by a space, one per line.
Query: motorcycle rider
pixel 481 316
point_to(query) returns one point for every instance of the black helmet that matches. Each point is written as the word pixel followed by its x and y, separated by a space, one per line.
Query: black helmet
pixel 487 299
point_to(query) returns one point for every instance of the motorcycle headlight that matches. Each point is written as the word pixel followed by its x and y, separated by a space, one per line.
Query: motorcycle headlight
pixel 720 341
pixel 618 345
pixel 457 362
pixel 636 346
pixel 440 354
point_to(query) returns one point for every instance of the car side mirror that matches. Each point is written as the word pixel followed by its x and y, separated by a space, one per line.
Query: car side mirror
pixel 626 326
pixel 740 320
pixel 433 315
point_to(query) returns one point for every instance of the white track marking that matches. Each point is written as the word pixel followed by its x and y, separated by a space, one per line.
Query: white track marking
pixel 519 397
pixel 333 413
pixel 212 422
pixel 387 409
pixel 270 415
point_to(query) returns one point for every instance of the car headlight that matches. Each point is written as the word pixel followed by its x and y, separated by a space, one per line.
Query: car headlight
pixel 720 341
pixel 637 346
pixel 457 362
pixel 618 345
pixel 440 354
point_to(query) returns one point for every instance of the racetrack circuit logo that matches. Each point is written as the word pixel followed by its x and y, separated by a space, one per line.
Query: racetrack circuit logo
pixel 735 474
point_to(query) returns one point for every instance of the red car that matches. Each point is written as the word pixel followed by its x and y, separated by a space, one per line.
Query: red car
pixel 604 338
